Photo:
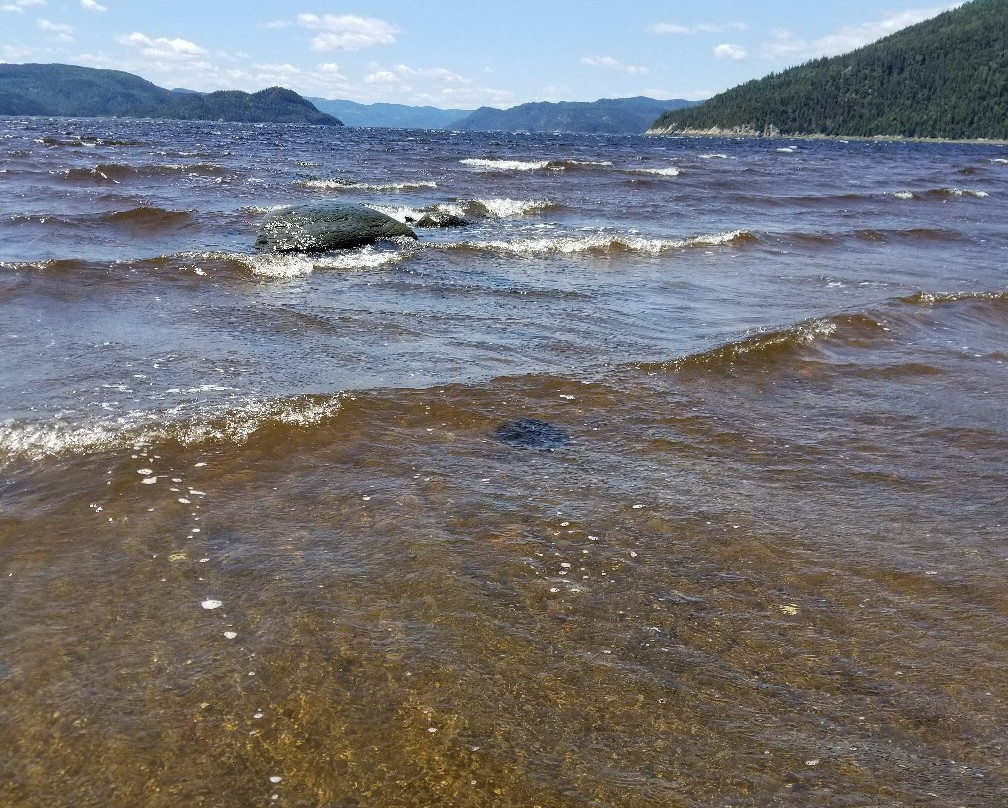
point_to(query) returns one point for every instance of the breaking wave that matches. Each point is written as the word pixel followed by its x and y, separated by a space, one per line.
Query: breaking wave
pixel 235 424
pixel 349 185
pixel 603 244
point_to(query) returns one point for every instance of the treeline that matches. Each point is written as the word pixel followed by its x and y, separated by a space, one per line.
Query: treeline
pixel 72 91
pixel 944 78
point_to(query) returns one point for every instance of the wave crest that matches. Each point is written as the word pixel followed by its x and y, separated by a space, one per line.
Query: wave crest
pixel 605 244
pixel 231 425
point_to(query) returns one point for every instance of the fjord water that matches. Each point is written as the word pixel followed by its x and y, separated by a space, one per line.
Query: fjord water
pixel 270 533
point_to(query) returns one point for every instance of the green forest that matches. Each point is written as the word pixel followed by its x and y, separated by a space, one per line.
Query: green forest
pixel 72 91
pixel 943 78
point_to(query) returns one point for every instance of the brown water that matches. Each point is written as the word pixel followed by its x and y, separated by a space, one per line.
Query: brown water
pixel 582 505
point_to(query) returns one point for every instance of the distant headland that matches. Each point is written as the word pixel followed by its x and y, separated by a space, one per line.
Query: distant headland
pixel 87 92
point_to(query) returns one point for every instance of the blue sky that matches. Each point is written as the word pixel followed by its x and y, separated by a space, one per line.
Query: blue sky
pixel 450 53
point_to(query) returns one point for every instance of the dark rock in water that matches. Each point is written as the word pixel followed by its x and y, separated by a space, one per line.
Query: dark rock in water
pixel 329 226
pixel 532 433
pixel 438 218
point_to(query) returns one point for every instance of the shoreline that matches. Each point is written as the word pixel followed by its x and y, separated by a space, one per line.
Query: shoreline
pixel 746 132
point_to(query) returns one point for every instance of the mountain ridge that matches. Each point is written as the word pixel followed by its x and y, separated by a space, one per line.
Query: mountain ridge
pixel 75 91
pixel 605 116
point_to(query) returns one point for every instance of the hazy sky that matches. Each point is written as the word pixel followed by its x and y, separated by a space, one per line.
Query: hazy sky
pixel 450 53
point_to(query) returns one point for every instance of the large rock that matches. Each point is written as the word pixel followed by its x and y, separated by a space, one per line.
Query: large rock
pixel 326 226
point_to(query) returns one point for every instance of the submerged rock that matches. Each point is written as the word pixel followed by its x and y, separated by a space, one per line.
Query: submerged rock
pixel 438 218
pixel 328 226
pixel 531 433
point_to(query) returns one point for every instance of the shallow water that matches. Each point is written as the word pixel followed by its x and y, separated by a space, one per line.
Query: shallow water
pixel 267 538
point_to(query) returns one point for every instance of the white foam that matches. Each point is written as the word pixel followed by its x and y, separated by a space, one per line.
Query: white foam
pixel 901 194
pixel 299 265
pixel 715 157
pixel 343 185
pixel 235 424
pixel 604 243
pixel 277 265
pixel 210 604
pixel 503 208
pixel 505 165
pixel 670 171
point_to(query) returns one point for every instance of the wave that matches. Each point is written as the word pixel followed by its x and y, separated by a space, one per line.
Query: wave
pixel 494 164
pixel 603 244
pixel 89 141
pixel 815 340
pixel 234 424
pixel 470 209
pixel 296 265
pixel 938 299
pixel 505 165
pixel 909 234
pixel 277 265
pixel 119 172
pixel 349 185
pixel 939 193
pixel 148 218
pixel 504 208
pixel 668 171
pixel 142 218
pixel 762 347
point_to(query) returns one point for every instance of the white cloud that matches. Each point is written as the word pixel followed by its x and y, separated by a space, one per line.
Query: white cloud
pixel 728 51
pixel 436 86
pixel 348 32
pixel 163 48
pixel 91 5
pixel 20 5
pixel 610 63
pixel 58 32
pixel 786 46
pixel 702 28
pixel 271 75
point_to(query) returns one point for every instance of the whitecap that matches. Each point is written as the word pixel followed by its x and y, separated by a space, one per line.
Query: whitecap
pixel 503 208
pixel 670 171
pixel 344 185
pixel 505 165
pixel 604 243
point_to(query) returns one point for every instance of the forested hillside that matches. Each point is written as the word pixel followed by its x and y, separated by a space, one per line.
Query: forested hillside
pixel 72 91
pixel 946 77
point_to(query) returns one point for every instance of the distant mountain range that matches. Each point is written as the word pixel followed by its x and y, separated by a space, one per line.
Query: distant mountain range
pixel 945 78
pixel 393 116
pixel 69 90
pixel 73 91
pixel 605 116
pixel 608 116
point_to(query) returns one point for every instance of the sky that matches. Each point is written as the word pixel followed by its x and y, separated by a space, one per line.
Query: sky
pixel 453 54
